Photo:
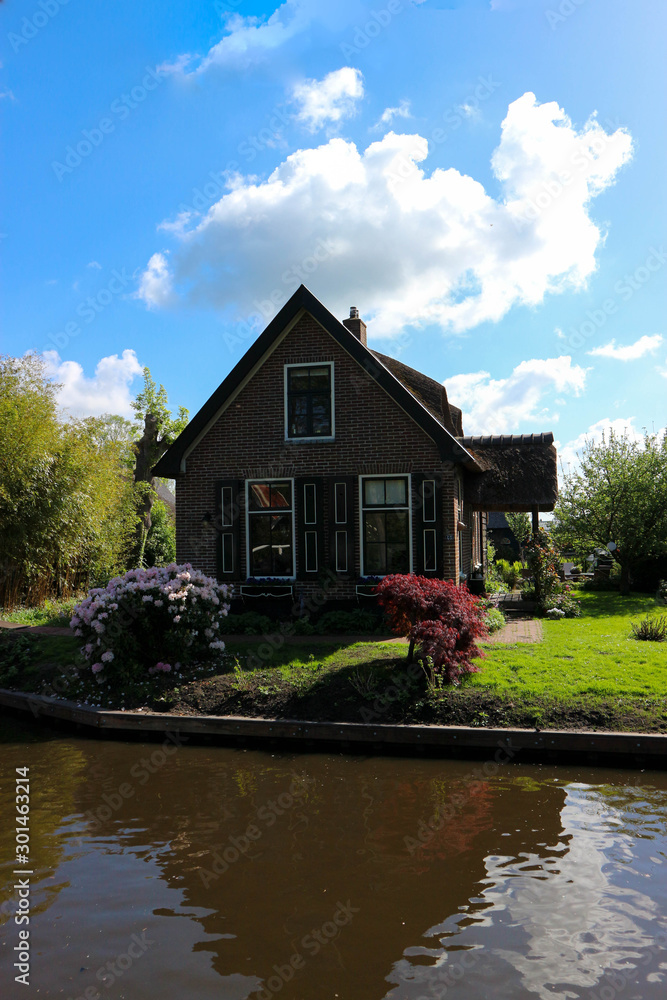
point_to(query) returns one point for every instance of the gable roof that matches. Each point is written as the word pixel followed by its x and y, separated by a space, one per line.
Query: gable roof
pixel 419 405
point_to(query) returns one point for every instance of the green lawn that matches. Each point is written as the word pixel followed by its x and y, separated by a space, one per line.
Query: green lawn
pixel 591 655
pixel 587 673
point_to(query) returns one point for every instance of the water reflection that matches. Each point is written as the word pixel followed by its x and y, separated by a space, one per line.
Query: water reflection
pixel 214 872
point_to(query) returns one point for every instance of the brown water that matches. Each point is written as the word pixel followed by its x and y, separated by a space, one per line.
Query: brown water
pixel 233 874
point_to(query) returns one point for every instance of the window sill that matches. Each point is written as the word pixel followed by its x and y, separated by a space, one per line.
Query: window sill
pixel 313 440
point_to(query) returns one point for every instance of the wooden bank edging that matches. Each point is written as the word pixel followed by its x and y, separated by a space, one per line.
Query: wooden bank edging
pixel 554 746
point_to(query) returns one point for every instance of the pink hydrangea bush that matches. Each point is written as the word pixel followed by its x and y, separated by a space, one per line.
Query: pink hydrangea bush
pixel 151 622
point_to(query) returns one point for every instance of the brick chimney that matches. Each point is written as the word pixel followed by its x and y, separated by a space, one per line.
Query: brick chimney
pixel 356 325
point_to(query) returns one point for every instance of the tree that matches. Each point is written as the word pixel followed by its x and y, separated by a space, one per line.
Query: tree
pixel 65 501
pixel 618 494
pixel 520 526
pixel 443 619
pixel 160 430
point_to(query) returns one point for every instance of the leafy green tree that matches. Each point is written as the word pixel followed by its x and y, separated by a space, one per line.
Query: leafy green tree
pixel 160 430
pixel 520 526
pixel 65 502
pixel 160 548
pixel 618 494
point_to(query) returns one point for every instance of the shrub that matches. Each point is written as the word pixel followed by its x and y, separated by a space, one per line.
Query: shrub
pixel 555 614
pixel 249 623
pixel 347 622
pixel 602 584
pixel 661 594
pixel 494 619
pixel 445 651
pixel 510 572
pixel 561 602
pixel 543 563
pixel 451 617
pixel 301 626
pixel 650 629
pixel 151 621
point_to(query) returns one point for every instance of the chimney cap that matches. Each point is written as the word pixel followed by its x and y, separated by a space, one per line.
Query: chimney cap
pixel 354 312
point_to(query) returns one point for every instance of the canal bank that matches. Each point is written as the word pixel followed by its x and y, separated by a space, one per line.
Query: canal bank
pixel 636 750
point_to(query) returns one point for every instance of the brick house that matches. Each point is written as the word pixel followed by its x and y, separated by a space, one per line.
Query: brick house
pixel 319 458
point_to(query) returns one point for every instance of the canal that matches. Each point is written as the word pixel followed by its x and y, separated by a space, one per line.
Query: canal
pixel 180 871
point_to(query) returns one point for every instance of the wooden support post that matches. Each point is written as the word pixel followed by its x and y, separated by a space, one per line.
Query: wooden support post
pixel 536 520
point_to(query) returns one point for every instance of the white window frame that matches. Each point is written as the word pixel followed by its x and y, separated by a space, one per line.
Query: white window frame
pixel 248 515
pixel 309 440
pixel 386 475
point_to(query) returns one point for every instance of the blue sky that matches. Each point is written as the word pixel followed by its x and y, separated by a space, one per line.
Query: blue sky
pixel 483 179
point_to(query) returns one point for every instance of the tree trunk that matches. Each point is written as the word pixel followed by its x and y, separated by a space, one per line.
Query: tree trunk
pixel 411 650
pixel 147 451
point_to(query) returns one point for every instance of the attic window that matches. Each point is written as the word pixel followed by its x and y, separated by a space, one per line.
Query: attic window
pixel 309 402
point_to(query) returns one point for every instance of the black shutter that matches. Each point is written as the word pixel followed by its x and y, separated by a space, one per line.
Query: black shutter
pixel 427 523
pixel 342 524
pixel 309 517
pixel 229 515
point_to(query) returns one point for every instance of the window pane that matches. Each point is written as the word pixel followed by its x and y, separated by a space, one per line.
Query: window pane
pixel 319 379
pixel 298 417
pixel 374 491
pixel 321 415
pixel 374 527
pixel 281 495
pixel 298 380
pixel 397 559
pixel 374 560
pixel 260 545
pixel 259 496
pixel 395 491
pixel 281 529
pixel 282 560
pixel 397 526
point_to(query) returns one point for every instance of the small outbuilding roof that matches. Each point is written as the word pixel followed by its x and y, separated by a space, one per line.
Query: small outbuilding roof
pixel 518 472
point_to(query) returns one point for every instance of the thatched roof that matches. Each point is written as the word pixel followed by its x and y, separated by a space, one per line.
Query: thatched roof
pixel 430 393
pixel 518 472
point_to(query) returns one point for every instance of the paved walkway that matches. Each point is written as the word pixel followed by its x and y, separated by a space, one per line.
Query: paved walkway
pixel 519 630
pixel 36 629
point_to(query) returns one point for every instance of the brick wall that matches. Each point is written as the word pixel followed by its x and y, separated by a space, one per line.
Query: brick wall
pixel 373 436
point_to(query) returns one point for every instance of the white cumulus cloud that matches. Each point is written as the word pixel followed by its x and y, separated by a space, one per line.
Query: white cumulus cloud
pixel 326 101
pixel 645 345
pixel 503 406
pixel 388 115
pixel 155 285
pixel 108 391
pixel 249 40
pixel 411 247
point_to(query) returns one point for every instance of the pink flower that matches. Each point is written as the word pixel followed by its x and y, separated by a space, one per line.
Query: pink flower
pixel 107 657
pixel 97 667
